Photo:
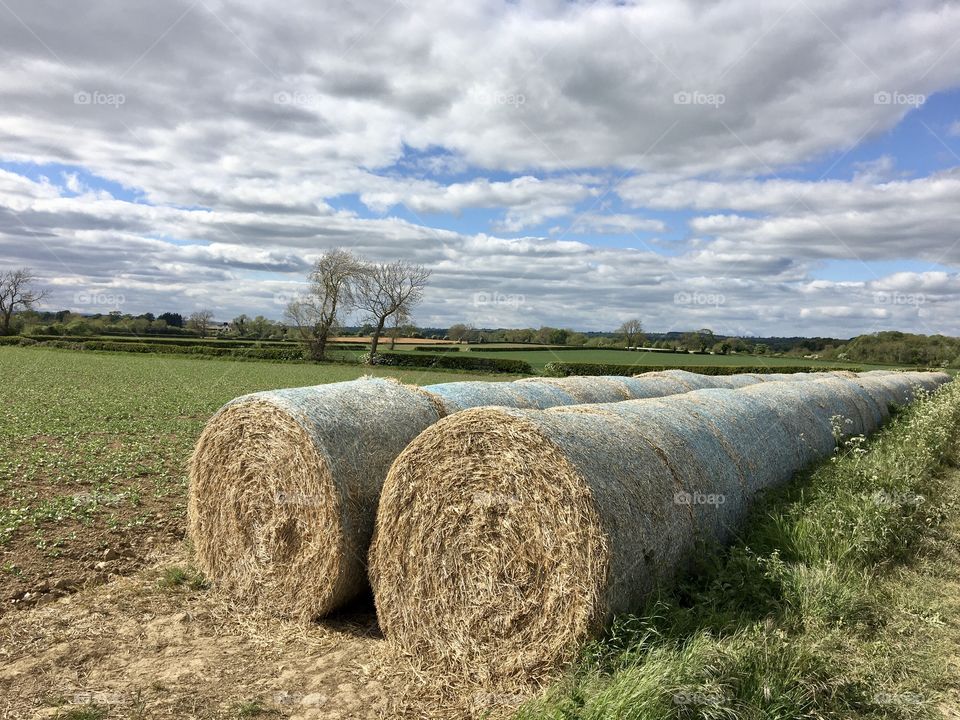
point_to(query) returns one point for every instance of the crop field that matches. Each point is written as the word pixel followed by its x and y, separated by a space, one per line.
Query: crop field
pixel 93 449
pixel 105 616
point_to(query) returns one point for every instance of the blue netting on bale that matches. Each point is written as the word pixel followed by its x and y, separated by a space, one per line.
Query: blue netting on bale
pixel 710 482
pixel 578 518
pixel 284 488
pixel 753 433
pixel 457 396
pixel 592 389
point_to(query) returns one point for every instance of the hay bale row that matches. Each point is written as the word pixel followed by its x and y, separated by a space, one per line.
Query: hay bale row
pixel 508 537
pixel 284 485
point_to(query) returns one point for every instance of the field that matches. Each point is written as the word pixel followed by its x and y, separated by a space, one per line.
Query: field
pixel 826 607
pixel 94 448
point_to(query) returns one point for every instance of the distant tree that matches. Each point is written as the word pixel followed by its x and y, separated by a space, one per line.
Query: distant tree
pixel 332 292
pixel 632 332
pixel 761 349
pixel 459 332
pixel 385 289
pixel 17 291
pixel 577 339
pixel 240 325
pixel 172 319
pixel 200 322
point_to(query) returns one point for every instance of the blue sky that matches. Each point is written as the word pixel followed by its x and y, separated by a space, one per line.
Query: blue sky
pixel 597 161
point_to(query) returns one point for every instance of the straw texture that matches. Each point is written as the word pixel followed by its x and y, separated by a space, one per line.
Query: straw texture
pixel 507 537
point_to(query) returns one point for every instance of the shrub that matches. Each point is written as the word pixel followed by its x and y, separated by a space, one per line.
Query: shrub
pixel 452 362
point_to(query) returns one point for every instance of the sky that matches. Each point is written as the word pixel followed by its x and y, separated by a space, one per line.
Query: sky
pixel 756 168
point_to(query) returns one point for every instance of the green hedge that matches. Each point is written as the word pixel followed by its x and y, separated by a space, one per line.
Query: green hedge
pixel 561 369
pixel 437 348
pixel 534 348
pixel 453 362
pixel 176 342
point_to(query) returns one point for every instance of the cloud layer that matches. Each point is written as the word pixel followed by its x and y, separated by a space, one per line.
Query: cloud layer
pixel 591 162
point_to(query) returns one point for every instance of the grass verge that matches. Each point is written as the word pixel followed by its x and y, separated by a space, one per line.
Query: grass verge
pixel 839 599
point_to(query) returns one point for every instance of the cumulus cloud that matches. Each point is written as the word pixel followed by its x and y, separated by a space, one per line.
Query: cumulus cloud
pixel 244 131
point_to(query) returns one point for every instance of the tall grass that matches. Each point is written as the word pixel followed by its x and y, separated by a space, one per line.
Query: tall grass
pixel 793 620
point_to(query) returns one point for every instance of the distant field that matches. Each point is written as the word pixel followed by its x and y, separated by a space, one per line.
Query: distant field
pixel 539 358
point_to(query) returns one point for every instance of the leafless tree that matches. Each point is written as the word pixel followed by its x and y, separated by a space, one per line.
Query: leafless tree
pixel 200 321
pixel 332 292
pixel 632 331
pixel 385 290
pixel 16 291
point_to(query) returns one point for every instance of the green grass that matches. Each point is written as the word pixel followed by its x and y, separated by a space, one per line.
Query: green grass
pixel 837 600
pixel 93 438
pixel 180 577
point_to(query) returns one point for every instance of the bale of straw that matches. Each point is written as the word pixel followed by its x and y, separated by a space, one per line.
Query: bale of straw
pixel 506 538
pixel 284 488
pixel 765 446
pixel 592 389
pixel 503 550
pixel 285 484
pixel 457 396
pixel 706 468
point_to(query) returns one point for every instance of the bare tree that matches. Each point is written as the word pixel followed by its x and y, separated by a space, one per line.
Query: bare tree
pixel 333 281
pixel 400 319
pixel 386 289
pixel 16 291
pixel 200 321
pixel 632 331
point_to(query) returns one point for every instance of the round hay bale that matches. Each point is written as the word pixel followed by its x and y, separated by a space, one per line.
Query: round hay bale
pixel 589 389
pixel 834 398
pixel 457 396
pixel 690 380
pixel 284 487
pixel 763 447
pixel 507 537
pixel 739 380
pixel 710 481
